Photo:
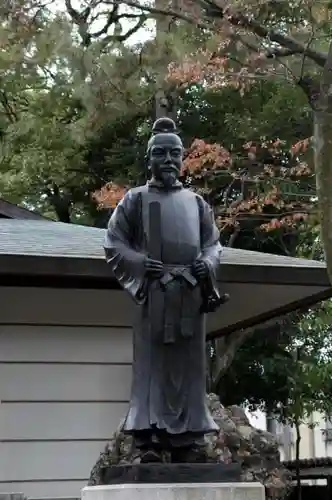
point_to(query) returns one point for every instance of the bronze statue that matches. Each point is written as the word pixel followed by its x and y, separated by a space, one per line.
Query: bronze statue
pixel 163 246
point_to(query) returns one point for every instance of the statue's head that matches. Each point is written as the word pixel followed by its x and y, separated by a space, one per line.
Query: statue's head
pixel 165 152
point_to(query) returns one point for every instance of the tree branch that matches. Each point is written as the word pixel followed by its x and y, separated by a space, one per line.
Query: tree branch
pixel 165 12
pixel 8 108
pixel 214 11
pixel 138 25
pixel 226 348
pixel 285 41
pixel 81 20
pixel 311 88
pixel 233 237
pixel 113 17
pixel 273 54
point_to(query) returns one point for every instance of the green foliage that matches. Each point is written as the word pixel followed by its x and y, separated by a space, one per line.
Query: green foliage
pixel 268 109
pixel 285 368
pixel 67 122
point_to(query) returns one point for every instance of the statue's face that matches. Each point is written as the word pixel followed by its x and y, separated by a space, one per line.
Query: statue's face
pixel 166 158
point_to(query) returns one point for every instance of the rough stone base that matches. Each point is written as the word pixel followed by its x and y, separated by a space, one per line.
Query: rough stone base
pixel 255 451
pixel 195 491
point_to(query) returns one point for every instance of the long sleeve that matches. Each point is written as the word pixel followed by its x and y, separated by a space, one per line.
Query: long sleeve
pixel 126 261
pixel 211 251
pixel 211 247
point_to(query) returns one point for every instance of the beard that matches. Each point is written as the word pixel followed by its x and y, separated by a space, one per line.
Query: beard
pixel 168 179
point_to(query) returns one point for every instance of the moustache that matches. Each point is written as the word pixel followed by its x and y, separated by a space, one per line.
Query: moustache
pixel 168 168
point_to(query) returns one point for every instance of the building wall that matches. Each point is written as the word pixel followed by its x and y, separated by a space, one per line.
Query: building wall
pixel 317 441
pixel 65 370
pixel 314 441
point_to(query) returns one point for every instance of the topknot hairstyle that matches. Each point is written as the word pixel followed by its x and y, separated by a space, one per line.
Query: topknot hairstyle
pixel 164 126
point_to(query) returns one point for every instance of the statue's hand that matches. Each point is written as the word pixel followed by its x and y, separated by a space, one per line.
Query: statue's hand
pixel 200 269
pixel 153 267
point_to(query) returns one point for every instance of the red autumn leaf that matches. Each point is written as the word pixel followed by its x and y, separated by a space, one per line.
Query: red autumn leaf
pixel 301 146
pixel 203 156
pixel 109 195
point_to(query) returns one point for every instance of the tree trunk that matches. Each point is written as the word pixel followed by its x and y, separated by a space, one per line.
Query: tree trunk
pixel 323 158
pixel 225 350
pixel 297 460
pixel 165 101
pixel 61 203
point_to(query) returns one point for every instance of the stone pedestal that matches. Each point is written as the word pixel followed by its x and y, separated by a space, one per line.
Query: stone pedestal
pixel 180 491
pixel 171 473
pixel 213 481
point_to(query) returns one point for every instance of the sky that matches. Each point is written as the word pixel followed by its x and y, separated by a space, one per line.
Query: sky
pixel 140 36
pixel 257 419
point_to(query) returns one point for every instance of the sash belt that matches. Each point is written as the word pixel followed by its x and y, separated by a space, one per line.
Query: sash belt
pixel 179 302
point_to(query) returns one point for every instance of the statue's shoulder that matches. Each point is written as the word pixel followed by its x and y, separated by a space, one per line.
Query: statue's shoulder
pixel 191 196
pixel 139 190
pixel 136 191
pixel 189 193
pixel 199 199
pixel 134 194
pixel 203 205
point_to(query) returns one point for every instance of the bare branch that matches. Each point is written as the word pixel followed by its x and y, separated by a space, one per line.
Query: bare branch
pixel 138 25
pixel 74 14
pixel 125 36
pixel 80 19
pixel 112 18
pixel 166 12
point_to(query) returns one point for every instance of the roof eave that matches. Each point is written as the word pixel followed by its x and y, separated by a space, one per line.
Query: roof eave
pixel 272 314
pixel 58 272
pixel 96 268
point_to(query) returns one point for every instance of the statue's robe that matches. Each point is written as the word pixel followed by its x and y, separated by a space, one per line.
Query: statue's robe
pixel 169 362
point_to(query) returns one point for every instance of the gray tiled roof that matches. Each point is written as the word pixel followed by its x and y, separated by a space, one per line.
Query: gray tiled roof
pixel 56 239
pixel 50 239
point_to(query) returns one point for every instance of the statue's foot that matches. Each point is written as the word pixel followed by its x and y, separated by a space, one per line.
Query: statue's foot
pixel 148 456
pixel 190 455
